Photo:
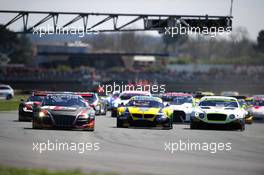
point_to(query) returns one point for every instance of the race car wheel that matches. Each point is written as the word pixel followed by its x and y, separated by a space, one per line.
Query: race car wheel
pixel 113 113
pixel 194 125
pixel 20 119
pixel 242 127
pixel 103 111
pixel 8 97
pixel 35 127
pixel 90 129
pixel 119 123
pixel 170 125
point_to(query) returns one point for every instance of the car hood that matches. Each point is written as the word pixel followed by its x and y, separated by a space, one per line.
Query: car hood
pixel 143 110
pixel 219 110
pixel 179 107
pixel 61 110
pixel 32 103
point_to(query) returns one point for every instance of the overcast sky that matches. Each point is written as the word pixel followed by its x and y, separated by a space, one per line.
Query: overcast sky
pixel 247 13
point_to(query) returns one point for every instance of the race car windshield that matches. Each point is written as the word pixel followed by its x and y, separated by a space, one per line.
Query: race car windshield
pixel 116 95
pixel 219 103
pixel 167 98
pixel 35 98
pixel 145 103
pixel 90 98
pixel 68 101
pixel 181 100
pixel 242 102
pixel 259 103
pixel 128 96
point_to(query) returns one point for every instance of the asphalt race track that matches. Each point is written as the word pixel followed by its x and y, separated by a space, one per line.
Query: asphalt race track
pixel 133 151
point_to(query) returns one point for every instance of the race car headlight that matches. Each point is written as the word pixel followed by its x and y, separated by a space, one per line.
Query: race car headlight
pixel 43 114
pixel 201 115
pixel 115 105
pixel 27 108
pixel 161 115
pixel 232 116
pixel 126 114
pixel 84 116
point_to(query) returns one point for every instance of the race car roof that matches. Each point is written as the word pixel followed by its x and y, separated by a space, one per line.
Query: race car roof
pixel 218 98
pixel 176 94
pixel 86 94
pixel 136 92
pixel 147 98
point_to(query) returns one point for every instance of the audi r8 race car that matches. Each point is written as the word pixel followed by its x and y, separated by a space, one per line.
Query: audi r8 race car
pixel 25 109
pixel 124 98
pixel 257 109
pixel 218 111
pixel 182 105
pixel 94 101
pixel 67 111
pixel 144 111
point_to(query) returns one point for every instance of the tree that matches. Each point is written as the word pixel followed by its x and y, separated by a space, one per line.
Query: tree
pixel 260 40
pixel 173 44
pixel 17 47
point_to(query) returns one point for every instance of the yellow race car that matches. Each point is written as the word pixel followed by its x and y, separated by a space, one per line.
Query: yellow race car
pixel 246 107
pixel 199 94
pixel 144 111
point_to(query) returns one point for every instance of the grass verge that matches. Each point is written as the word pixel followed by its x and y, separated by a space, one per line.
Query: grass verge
pixel 25 171
pixel 11 105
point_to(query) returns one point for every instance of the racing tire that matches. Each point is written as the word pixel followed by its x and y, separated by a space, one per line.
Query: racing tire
pixel 35 127
pixel 170 125
pixel 194 125
pixel 90 130
pixel 104 111
pixel 167 127
pixel 119 123
pixel 242 127
pixel 8 97
pixel 20 119
pixel 113 113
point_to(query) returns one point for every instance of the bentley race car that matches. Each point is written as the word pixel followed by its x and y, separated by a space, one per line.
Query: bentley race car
pixel 144 111
pixel 218 111
pixel 67 111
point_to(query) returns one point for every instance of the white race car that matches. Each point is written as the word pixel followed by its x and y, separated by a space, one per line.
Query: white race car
pixel 124 98
pixel 257 109
pixel 218 111
pixel 182 105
